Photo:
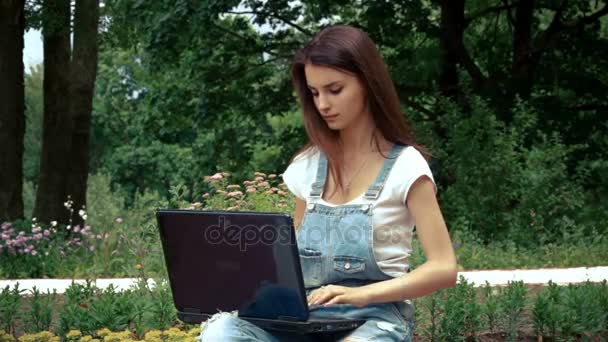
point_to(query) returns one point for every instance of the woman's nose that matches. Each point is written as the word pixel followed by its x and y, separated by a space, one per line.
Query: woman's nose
pixel 323 103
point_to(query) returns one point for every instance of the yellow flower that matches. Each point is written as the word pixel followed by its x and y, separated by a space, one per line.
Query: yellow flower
pixel 153 335
pixel 103 332
pixel 117 336
pixel 87 338
pixel 43 336
pixel 73 334
pixel 139 266
pixel 194 332
pixel 5 337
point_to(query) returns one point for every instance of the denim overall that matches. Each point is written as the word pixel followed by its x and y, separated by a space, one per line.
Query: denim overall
pixel 335 245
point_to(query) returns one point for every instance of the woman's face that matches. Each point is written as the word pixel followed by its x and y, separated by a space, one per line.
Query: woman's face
pixel 338 96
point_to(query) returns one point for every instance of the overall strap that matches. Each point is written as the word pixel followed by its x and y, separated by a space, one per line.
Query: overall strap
pixel 319 183
pixel 374 190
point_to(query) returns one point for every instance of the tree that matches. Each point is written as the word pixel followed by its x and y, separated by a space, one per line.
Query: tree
pixel 64 157
pixel 82 84
pixel 12 117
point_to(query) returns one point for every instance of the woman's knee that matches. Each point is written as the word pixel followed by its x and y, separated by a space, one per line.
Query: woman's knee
pixel 221 326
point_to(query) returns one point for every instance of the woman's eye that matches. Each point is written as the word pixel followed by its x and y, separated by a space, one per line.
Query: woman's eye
pixel 336 91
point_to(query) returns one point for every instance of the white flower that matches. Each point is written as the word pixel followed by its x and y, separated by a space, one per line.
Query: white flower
pixel 81 213
pixel 68 227
pixel 84 217
pixel 53 223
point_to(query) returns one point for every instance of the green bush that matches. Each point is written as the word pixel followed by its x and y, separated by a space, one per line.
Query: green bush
pixel 507 182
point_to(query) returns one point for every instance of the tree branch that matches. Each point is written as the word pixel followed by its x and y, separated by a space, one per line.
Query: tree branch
pixel 587 107
pixel 276 16
pixel 509 14
pixel 494 9
pixel 551 34
pixel 248 40
pixel 588 19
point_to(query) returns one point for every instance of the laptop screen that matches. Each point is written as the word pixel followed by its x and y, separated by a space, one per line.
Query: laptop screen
pixel 226 261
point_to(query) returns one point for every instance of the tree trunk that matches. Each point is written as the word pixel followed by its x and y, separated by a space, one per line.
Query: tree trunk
pixel 12 116
pixel 55 160
pixel 452 26
pixel 82 84
pixel 524 64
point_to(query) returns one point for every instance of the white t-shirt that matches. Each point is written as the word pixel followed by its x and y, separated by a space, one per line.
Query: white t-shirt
pixel 392 222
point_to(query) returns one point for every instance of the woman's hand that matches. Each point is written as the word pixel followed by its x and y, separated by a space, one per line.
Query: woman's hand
pixel 335 294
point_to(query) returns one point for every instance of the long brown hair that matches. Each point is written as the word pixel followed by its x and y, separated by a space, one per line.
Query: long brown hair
pixel 349 49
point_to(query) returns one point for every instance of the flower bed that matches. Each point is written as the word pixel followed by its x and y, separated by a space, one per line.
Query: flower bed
pixel 512 312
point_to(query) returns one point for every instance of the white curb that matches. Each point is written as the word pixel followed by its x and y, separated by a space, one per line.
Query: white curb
pixel 560 276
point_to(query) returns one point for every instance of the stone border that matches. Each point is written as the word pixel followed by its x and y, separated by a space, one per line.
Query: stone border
pixel 560 276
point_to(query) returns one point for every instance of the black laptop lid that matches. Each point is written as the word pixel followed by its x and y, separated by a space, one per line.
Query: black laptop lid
pixel 225 261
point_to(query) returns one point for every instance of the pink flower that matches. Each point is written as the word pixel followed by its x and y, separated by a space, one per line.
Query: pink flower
pixel 206 195
pixel 5 237
pixel 248 183
pixel 217 176
pixel 196 204
pixel 233 186
pixel 46 232
pixel 265 184
pixel 260 174
pixel 251 190
pixel 272 176
pixel 36 230
pixel 258 179
pixel 281 192
pixel 235 194
pixel 76 229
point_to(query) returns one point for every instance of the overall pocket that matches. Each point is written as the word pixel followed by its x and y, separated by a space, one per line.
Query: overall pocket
pixel 349 264
pixel 311 261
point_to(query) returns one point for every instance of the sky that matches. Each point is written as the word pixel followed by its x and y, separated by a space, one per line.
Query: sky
pixel 32 51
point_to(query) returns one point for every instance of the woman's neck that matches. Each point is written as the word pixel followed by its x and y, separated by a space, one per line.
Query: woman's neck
pixel 358 139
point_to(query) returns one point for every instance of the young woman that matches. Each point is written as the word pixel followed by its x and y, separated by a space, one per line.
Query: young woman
pixel 361 185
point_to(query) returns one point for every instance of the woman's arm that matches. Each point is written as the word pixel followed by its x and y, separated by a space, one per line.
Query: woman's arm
pixel 298 213
pixel 440 269
pixel 438 272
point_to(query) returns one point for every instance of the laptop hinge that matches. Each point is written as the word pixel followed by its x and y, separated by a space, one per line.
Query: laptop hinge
pixel 191 310
pixel 289 318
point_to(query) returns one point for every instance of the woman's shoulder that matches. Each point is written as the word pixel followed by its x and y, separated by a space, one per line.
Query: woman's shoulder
pixel 300 172
pixel 306 157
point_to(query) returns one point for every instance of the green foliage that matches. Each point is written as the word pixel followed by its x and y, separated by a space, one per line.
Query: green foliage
pixel 461 318
pixel 10 301
pixel 490 307
pixel 39 316
pixel 32 141
pixel 512 303
pixel 502 190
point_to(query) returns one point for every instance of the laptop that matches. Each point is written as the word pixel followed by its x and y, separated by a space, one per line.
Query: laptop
pixel 239 261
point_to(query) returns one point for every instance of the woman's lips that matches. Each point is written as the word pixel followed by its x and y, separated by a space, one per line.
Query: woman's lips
pixel 330 117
